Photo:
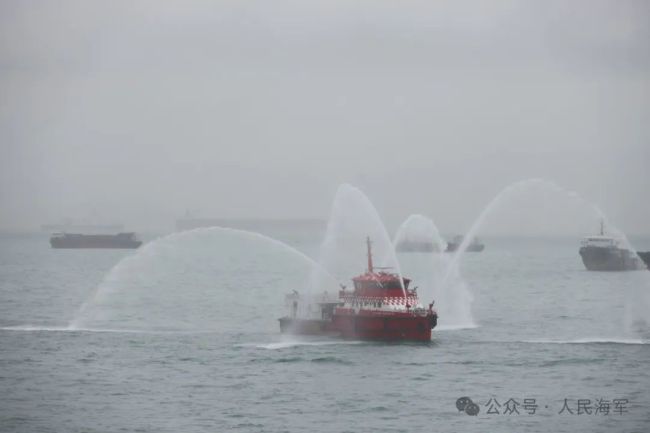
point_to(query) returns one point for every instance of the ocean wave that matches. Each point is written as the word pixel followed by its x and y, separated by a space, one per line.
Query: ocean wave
pixel 30 328
pixel 332 360
pixel 455 327
pixel 289 360
pixel 591 341
pixel 289 344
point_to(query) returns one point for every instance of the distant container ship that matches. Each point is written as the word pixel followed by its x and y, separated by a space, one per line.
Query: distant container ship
pixel 475 246
pixel 75 240
pixel 606 253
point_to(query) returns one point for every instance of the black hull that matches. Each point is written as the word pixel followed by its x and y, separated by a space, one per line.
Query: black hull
pixel 645 256
pixel 472 248
pixel 95 245
pixel 610 259
pixel 75 241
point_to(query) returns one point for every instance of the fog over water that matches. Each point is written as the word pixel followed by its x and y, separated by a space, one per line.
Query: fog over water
pixel 338 145
pixel 138 111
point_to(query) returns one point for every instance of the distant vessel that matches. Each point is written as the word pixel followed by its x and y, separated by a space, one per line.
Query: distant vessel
pixel 377 309
pixel 75 240
pixel 606 253
pixel 475 246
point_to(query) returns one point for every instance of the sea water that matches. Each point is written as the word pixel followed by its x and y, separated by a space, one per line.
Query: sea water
pixel 187 340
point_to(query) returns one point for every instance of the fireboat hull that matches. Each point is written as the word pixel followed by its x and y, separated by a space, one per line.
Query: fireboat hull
pixel 384 328
pixel 364 327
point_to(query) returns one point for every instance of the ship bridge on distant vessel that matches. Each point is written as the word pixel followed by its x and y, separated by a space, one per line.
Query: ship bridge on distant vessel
pixel 601 242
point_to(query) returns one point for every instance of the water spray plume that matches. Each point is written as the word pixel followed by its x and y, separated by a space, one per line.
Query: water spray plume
pixel 637 305
pixel 158 245
pixel 453 299
pixel 353 218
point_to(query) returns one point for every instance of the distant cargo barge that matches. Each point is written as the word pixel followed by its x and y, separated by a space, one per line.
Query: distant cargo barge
pixel 475 246
pixel 75 240
pixel 608 253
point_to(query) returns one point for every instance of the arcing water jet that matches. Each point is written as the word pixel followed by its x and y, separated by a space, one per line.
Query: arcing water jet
pixel 128 268
pixel 453 298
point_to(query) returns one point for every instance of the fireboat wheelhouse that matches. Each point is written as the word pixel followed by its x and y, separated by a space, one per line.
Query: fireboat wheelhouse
pixel 380 307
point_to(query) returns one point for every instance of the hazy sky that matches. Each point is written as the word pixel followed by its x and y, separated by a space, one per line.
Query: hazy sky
pixel 137 111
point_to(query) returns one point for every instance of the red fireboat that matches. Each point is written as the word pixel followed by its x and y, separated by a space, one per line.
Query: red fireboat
pixel 379 308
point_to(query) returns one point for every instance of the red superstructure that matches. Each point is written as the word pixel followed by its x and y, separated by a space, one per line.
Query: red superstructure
pixel 380 307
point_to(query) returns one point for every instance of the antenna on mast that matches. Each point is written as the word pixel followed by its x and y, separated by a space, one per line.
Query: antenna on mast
pixel 370 267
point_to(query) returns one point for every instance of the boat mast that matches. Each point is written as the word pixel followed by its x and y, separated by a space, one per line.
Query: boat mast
pixel 602 228
pixel 370 267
